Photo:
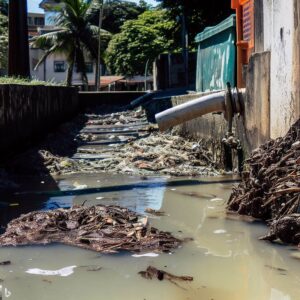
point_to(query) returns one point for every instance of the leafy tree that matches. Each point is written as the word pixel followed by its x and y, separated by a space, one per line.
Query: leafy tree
pixel 116 12
pixel 76 37
pixel 198 13
pixel 140 40
pixel 3 41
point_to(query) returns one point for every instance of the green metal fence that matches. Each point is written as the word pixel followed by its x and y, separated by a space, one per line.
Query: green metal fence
pixel 216 57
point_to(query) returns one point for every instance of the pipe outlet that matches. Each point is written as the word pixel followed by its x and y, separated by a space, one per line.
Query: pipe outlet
pixel 217 102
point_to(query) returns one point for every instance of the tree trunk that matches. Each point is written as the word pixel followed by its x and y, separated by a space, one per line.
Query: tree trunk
pixel 18 61
pixel 85 81
pixel 70 73
pixel 98 62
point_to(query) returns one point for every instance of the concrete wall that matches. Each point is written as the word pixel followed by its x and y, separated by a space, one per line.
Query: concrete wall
pixel 255 124
pixel 29 112
pixel 277 32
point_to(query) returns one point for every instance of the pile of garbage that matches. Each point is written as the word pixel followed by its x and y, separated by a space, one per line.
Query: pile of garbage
pixel 117 118
pixel 106 229
pixel 145 152
pixel 270 189
pixel 161 153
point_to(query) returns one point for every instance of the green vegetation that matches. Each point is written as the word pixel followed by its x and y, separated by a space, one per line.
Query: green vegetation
pixel 3 41
pixel 140 40
pixel 3 34
pixel 23 81
pixel 198 14
pixel 77 38
pixel 116 12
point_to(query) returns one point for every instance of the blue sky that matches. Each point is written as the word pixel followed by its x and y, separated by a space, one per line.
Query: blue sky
pixel 33 5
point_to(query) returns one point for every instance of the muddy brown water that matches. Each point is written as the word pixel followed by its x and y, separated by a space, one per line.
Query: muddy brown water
pixel 225 258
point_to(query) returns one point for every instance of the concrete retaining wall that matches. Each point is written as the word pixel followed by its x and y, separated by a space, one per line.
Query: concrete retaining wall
pixel 29 112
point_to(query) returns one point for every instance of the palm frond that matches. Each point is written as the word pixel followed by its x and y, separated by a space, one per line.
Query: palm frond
pixel 45 55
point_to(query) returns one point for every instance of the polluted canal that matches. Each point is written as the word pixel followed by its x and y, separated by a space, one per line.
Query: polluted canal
pixel 220 257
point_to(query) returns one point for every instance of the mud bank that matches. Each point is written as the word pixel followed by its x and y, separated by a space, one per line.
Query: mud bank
pixel 270 189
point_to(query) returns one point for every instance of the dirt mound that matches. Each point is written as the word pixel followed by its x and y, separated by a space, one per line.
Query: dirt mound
pixel 106 229
pixel 270 190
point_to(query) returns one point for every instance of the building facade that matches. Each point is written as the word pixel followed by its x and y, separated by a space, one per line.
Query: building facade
pixel 54 68
pixel 34 22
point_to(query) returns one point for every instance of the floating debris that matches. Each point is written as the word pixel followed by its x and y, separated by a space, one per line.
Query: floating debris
pixel 64 272
pixel 154 212
pixel 5 263
pixel 106 229
pixel 270 190
pixel 276 268
pixel 194 194
pixel 153 273
pixel 94 268
pixel 151 254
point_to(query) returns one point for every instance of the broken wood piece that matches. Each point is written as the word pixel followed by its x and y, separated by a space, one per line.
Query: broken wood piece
pixel 154 212
pixel 153 273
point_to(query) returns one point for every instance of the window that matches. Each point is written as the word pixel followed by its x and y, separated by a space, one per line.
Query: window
pixel 39 21
pixel 29 21
pixel 59 66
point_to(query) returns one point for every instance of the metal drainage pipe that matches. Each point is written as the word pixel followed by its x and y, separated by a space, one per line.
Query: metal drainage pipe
pixel 228 102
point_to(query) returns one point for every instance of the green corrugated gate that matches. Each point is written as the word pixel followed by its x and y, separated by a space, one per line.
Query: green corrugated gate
pixel 216 58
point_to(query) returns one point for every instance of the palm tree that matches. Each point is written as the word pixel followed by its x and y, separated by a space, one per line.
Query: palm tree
pixel 76 37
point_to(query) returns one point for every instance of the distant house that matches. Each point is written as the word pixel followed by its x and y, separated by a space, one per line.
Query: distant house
pixel 35 21
pixel 55 66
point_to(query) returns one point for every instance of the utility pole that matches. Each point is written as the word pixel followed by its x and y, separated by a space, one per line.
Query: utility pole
pixel 18 48
pixel 98 66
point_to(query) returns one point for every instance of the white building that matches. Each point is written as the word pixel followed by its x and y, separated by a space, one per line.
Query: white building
pixel 55 66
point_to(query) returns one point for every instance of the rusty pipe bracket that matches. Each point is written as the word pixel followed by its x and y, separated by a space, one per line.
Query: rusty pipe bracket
pixel 229 112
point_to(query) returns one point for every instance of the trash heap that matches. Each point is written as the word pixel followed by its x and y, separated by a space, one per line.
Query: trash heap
pixel 270 189
pixel 106 229
pixel 144 153
pixel 117 118
pixel 161 153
